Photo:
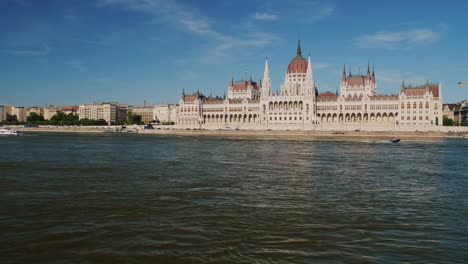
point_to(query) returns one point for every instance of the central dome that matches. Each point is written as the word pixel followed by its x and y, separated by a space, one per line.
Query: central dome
pixel 298 64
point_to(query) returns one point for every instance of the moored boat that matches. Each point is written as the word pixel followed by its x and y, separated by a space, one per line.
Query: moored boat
pixel 394 140
pixel 9 132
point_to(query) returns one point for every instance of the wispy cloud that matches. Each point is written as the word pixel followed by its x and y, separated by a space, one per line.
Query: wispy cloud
pixel 44 51
pixel 195 22
pixel 172 12
pixel 78 66
pixel 265 16
pixel 397 40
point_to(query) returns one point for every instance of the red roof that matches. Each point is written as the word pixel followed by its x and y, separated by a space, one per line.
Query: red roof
pixel 327 96
pixel 242 86
pixel 211 100
pixel 190 98
pixel 297 65
pixel 69 108
pixel 355 80
pixel 421 90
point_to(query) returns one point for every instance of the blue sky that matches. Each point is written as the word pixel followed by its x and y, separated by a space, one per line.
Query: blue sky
pixel 77 51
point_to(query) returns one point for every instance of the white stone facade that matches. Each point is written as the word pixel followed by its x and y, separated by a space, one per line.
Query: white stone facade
pixel 299 106
pixel 166 113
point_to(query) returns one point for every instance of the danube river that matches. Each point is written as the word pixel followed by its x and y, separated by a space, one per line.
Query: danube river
pixel 114 198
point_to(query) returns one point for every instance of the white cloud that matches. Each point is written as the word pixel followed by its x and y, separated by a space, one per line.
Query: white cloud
pixel 265 16
pixel 28 52
pixel 193 21
pixel 78 66
pixel 397 40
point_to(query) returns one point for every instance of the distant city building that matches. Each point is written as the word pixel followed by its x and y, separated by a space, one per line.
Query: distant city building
pixel 298 104
pixel 35 109
pixel 146 112
pixel 69 109
pixel 3 114
pixel 166 113
pixel 460 112
pixel 50 111
pixel 111 112
pixel 19 112
pixel 448 111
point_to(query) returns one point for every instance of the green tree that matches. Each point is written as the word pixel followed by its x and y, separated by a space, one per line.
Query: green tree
pixel 11 118
pixel 447 121
pixel 35 118
pixel 133 119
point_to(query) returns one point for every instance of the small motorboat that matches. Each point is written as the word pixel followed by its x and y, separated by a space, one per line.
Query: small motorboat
pixel 9 132
pixel 394 140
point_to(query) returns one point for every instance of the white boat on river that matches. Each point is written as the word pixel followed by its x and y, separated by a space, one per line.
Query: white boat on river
pixel 8 132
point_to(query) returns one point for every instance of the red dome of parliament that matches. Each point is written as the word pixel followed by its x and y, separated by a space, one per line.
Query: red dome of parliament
pixel 298 64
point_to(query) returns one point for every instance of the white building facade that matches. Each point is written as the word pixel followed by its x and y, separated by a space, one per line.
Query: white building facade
pixel 299 106
pixel 166 113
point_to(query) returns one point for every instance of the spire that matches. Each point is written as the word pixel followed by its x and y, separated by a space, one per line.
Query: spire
pixel 373 74
pixel 224 95
pixel 350 72
pixel 250 79
pixel 231 83
pixel 309 77
pixel 299 52
pixel 336 91
pixel 266 87
pixel 368 69
pixel 403 84
pixel 343 78
pixel 183 93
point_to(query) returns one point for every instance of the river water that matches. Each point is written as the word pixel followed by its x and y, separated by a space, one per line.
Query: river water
pixel 112 198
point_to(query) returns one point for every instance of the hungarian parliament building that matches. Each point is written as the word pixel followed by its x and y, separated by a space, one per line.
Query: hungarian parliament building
pixel 299 106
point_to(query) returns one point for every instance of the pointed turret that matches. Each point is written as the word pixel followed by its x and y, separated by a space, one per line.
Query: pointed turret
pixel 250 80
pixel 299 52
pixel 350 72
pixel 373 74
pixel 183 93
pixel 343 78
pixel 266 87
pixel 368 75
pixel 231 83
pixel 309 77
pixel 403 85
pixel 336 91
